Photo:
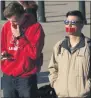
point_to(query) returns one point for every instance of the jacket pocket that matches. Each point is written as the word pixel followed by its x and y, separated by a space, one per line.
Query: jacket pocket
pixel 55 86
pixel 60 87
pixel 80 67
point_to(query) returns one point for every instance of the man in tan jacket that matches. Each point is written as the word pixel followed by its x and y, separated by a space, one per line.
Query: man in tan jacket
pixel 70 62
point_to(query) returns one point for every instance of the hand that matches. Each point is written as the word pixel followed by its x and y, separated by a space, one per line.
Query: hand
pixel 5 56
pixel 15 30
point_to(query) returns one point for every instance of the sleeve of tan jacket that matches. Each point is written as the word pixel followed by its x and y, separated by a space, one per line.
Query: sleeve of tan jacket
pixel 88 83
pixel 53 66
pixel 89 75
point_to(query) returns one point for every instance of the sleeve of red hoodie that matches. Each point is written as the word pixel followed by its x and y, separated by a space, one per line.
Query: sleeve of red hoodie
pixel 3 40
pixel 33 41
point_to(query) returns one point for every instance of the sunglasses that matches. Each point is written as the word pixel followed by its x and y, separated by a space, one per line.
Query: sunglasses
pixel 66 22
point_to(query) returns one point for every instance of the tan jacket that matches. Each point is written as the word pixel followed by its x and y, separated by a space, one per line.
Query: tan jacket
pixel 69 73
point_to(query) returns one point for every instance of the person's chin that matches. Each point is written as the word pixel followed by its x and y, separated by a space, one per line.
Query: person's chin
pixel 70 33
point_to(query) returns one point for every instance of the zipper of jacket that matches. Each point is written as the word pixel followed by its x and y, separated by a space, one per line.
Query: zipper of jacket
pixel 70 56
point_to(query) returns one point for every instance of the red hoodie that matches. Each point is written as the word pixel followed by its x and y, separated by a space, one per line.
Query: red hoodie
pixel 24 51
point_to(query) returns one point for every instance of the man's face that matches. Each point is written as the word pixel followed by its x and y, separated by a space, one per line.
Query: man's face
pixel 14 20
pixel 73 25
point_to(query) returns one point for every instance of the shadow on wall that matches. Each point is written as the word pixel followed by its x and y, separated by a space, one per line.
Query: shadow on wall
pixel 55 4
pixel 43 77
pixel 54 21
pixel 55 16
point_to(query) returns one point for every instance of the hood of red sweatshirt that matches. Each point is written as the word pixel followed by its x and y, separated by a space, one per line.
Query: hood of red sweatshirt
pixel 28 20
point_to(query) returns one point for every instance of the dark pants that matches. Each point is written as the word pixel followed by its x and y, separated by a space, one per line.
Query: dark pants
pixel 17 87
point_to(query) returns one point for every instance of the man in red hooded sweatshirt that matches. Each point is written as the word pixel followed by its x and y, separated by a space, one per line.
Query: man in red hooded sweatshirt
pixel 22 41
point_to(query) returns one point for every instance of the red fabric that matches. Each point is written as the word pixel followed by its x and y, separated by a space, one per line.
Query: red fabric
pixel 70 29
pixel 24 50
